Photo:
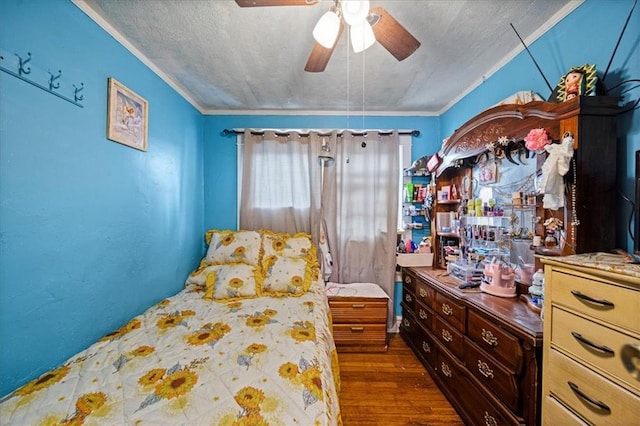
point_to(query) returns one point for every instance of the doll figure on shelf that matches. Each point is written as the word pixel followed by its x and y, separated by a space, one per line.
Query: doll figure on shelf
pixel 554 168
pixel 575 85
pixel 428 204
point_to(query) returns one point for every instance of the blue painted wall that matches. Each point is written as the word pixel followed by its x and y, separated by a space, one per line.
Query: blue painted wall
pixel 588 35
pixel 92 232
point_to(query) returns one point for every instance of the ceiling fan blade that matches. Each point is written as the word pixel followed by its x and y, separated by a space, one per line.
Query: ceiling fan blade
pixel 260 3
pixel 391 34
pixel 320 55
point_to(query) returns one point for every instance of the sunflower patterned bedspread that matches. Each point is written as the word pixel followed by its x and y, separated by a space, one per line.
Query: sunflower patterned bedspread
pixel 193 361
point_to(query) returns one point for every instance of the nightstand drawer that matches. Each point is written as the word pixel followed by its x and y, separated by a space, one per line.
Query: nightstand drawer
pixel 360 334
pixel 593 397
pixel 598 299
pixel 595 344
pixel 359 311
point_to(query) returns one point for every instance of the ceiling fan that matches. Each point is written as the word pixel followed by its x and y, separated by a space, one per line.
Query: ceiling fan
pixel 366 26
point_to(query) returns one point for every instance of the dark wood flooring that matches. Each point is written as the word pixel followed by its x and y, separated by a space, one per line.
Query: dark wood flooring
pixel 391 388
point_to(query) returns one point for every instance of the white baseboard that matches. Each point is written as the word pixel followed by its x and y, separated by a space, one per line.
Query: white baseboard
pixel 396 327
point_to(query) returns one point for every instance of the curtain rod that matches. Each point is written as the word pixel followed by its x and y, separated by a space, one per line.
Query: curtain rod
pixel 227 132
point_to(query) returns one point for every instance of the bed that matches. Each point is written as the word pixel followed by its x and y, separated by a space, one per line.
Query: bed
pixel 246 342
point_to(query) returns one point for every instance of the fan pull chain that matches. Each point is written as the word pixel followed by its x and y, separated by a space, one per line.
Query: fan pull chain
pixel 348 85
pixel 363 85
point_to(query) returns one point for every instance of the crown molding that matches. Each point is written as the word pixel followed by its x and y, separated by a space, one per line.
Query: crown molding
pixel 89 11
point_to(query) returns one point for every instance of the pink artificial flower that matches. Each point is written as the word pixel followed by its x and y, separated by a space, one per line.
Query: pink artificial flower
pixel 537 139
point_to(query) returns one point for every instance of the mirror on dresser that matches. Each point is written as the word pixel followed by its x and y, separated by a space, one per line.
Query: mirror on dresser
pixel 491 206
pixel 498 217
pixel 470 165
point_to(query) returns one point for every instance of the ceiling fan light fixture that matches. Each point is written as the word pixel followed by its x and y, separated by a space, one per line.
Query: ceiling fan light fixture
pixel 362 36
pixel 327 29
pixel 355 11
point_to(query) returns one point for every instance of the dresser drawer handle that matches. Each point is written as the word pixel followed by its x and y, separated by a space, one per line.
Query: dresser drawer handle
pixel 596 346
pixel 601 405
pixel 406 323
pixel 446 309
pixel 489 338
pixel 357 328
pixel 446 370
pixel 407 280
pixel 426 347
pixel 484 369
pixel 408 298
pixel 583 296
pixel 423 314
pixel 630 355
pixel 423 292
pixel 489 420
pixel 446 336
pixel 358 306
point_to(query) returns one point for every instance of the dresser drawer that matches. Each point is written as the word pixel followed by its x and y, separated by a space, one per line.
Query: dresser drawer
pixel 361 334
pixel 425 316
pixel 595 344
pixel 554 414
pixel 425 294
pixel 598 299
pixel 454 313
pixel 427 346
pixel 449 337
pixel 356 310
pixel 409 282
pixel 408 298
pixel 492 375
pixel 588 394
pixel 408 325
pixel 482 411
pixel 495 341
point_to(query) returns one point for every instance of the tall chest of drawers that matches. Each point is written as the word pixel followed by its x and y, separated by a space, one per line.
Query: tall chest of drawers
pixel 484 352
pixel 591 367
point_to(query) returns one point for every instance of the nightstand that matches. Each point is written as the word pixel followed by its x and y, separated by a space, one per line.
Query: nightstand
pixel 359 313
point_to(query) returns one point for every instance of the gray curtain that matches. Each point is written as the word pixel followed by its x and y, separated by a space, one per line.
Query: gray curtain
pixel 360 205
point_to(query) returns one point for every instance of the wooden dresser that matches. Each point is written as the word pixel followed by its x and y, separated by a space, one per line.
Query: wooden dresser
pixel 591 368
pixel 359 313
pixel 483 351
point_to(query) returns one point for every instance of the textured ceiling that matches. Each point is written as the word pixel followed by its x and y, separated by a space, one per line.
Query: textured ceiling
pixel 228 59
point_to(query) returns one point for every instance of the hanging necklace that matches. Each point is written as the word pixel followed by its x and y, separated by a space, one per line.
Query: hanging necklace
pixel 522 185
pixel 574 213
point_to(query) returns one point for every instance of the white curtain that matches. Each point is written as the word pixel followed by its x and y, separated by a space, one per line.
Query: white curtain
pixel 282 177
pixel 280 182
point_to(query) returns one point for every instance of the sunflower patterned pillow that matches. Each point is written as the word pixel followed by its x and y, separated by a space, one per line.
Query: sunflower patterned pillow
pixel 233 246
pixel 279 244
pixel 286 276
pixel 232 281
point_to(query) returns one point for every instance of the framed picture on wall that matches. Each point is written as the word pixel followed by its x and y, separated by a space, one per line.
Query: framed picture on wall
pixel 127 116
pixel 488 173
